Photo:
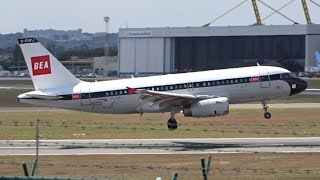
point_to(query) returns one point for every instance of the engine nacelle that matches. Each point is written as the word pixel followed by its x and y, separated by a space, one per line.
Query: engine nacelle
pixel 208 108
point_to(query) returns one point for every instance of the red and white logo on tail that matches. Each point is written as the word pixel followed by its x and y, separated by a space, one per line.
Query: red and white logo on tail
pixel 40 65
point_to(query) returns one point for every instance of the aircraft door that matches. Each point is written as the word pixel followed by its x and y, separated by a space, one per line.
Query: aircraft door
pixel 190 86
pixel 264 78
pixel 85 96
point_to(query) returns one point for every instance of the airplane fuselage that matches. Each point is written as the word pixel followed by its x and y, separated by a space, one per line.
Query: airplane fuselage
pixel 239 85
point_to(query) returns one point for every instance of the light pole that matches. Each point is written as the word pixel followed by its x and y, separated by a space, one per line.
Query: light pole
pixel 106 44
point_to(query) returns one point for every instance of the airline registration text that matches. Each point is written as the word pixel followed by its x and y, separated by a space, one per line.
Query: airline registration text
pixel 75 96
pixel 40 65
pixel 255 79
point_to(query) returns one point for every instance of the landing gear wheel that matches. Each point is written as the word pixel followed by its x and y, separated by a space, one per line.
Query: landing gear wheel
pixel 267 115
pixel 172 124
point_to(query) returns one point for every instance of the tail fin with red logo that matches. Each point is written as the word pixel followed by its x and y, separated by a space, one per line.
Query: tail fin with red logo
pixel 45 70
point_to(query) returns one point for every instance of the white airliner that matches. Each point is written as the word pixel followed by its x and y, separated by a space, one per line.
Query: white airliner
pixel 197 94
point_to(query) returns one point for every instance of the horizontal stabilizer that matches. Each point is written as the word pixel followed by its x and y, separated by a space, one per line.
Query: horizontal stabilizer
pixel 45 97
pixel 39 95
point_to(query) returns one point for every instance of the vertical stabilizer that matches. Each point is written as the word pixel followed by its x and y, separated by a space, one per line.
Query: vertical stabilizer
pixel 45 70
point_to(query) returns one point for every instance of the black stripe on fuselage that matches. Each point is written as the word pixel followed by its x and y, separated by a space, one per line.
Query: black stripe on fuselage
pixel 172 87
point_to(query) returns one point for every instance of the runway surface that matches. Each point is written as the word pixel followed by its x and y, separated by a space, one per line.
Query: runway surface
pixel 160 146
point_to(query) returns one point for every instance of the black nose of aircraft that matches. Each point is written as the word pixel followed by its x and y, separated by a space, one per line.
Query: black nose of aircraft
pixel 297 86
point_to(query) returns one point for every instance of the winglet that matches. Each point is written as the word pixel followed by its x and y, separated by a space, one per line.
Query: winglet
pixel 131 90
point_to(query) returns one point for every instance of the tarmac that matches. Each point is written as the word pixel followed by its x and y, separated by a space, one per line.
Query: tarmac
pixel 161 146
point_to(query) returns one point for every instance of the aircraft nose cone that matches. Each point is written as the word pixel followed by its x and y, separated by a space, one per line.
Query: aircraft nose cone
pixel 298 86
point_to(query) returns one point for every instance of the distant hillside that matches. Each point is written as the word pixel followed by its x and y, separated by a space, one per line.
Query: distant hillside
pixel 10 40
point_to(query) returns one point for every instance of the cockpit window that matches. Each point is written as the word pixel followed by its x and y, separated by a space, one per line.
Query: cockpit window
pixel 287 75
pixel 293 75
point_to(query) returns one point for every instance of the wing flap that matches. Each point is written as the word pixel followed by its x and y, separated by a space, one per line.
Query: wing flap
pixel 167 98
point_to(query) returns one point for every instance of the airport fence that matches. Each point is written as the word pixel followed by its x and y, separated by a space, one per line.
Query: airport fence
pixel 136 170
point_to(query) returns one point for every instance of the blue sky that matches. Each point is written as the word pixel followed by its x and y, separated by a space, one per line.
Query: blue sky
pixel 88 14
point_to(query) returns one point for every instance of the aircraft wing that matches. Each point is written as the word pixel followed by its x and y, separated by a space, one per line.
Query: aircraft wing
pixel 166 99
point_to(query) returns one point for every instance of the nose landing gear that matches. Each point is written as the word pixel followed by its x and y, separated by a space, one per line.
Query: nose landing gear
pixel 265 106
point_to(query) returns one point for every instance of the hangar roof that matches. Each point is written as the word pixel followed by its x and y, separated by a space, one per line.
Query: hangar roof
pixel 263 30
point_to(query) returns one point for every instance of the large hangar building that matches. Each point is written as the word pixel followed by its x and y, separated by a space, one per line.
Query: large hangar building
pixel 152 51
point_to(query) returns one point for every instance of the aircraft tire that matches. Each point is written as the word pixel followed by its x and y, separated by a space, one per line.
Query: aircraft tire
pixel 267 115
pixel 172 124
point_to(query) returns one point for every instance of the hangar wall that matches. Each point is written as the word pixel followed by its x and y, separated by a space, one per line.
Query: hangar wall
pixel 151 51
pixel 144 56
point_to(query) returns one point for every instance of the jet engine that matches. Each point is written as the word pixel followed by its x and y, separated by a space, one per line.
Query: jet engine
pixel 208 108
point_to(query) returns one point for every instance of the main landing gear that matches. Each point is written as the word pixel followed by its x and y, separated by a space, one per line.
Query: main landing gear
pixel 172 122
pixel 265 106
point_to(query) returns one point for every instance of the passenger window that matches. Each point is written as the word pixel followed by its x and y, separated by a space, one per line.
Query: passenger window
pixel 180 86
pixel 236 81
pixel 115 93
pixel 197 84
pixel 120 92
pixel 204 84
pixel 185 86
pixel 227 81
pixel 209 83
pixel 231 81
pixel 218 82
pixel 175 86
pixel 162 88
pixel 222 82
pixel 125 92
pixel 157 88
pixel 166 88
pixel 107 93
pixel 111 93
pixel 171 87
pixel 241 80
